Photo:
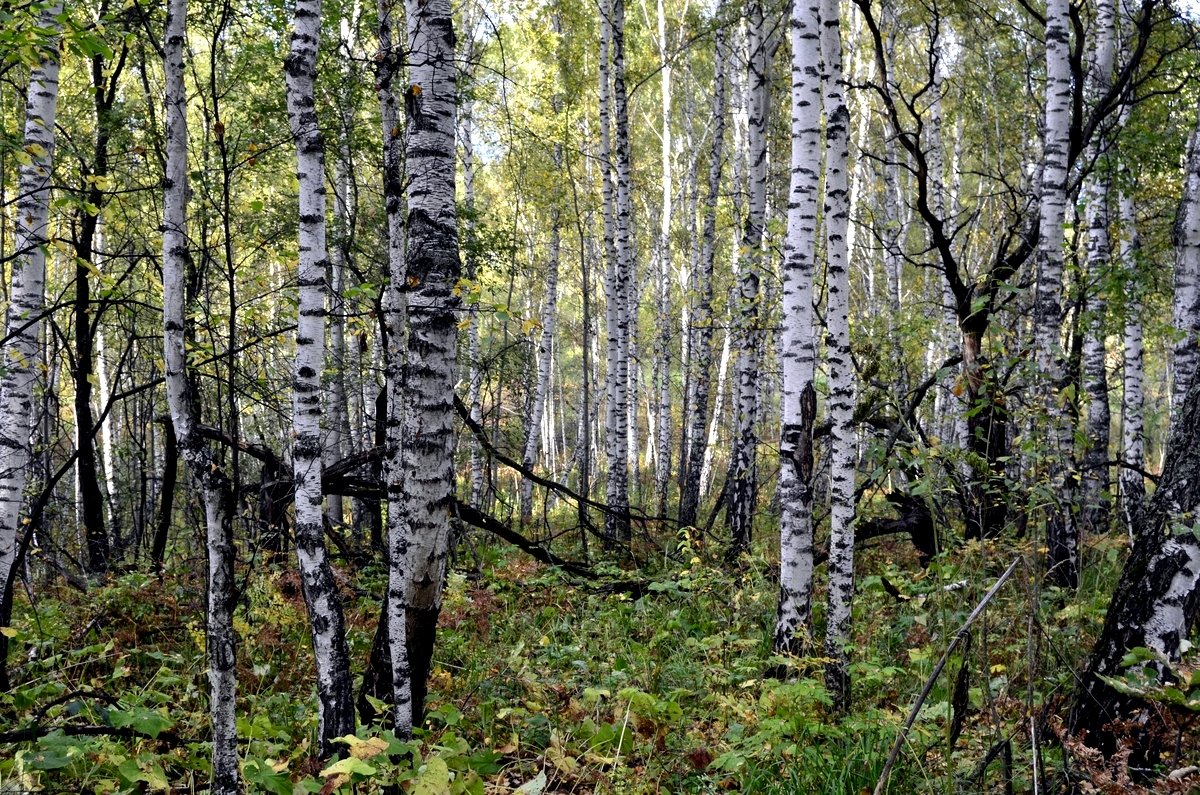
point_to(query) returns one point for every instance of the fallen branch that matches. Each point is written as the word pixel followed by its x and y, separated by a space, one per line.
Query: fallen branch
pixel 31 733
pixel 937 670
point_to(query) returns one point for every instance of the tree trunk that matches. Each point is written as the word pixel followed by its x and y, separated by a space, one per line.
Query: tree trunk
pixel 419 542
pixel 702 318
pixel 798 349
pixel 1096 483
pixel 1062 534
pixel 841 367
pixel 616 421
pixel 1186 237
pixel 216 488
pixel 533 427
pixel 1130 481
pixel 1156 600
pixel 334 684
pixel 742 480
pixel 23 318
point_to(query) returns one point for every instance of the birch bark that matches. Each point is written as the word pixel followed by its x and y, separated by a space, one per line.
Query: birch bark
pixel 742 480
pixel 797 351
pixel 702 318
pixel 1186 309
pixel 1095 481
pixel 420 543
pixel 837 354
pixel 615 298
pixel 1061 530
pixel 23 317
pixel 1132 486
pixel 334 685
pixel 216 487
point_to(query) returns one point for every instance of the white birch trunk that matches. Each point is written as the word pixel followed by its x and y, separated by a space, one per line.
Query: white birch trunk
pixel 702 319
pixel 1186 309
pixel 616 321
pixel 662 468
pixel 534 431
pixel 1130 482
pixel 1095 480
pixel 798 350
pixel 388 72
pixel 420 544
pixel 466 137
pixel 742 480
pixel 1061 530
pixel 334 685
pixel 626 267
pixel 217 491
pixel 841 366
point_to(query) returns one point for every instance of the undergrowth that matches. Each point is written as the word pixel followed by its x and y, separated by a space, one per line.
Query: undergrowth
pixel 544 685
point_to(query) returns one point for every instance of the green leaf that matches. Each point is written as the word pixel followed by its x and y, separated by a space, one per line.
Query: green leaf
pixel 146 721
pixel 434 778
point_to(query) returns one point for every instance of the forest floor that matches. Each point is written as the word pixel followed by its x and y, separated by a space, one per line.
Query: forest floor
pixel 546 684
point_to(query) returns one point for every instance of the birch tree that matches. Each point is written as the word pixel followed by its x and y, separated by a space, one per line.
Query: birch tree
pixel 742 480
pixel 217 489
pixel 616 293
pixel 334 685
pixel 701 327
pixel 1131 485
pixel 1094 495
pixel 1186 307
pixel 838 358
pixel 419 541
pixel 797 351
pixel 23 318
pixel 1061 530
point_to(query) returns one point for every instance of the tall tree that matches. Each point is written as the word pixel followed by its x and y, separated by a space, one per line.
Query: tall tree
pixel 701 327
pixel 798 350
pixel 1094 497
pixel 841 366
pixel 1130 482
pixel 23 319
pixel 1062 536
pixel 616 294
pixel 216 487
pixel 1186 237
pixel 742 481
pixel 420 542
pixel 334 685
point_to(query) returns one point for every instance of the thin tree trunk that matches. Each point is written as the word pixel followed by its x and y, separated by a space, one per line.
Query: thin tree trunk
pixel 1186 236
pixel 216 487
pixel 1062 535
pixel 533 428
pixel 742 482
pixel 334 684
pixel 702 319
pixel 798 349
pixel 1096 483
pixel 662 468
pixel 1131 483
pixel 841 367
pixel 617 360
pixel 23 318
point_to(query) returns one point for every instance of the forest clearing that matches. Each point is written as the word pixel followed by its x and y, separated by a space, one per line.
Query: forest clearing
pixel 540 396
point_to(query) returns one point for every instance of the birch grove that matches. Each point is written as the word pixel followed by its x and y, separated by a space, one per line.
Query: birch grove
pixel 617 372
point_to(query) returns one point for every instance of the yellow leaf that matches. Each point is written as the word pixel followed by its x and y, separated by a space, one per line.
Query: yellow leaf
pixel 8 632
